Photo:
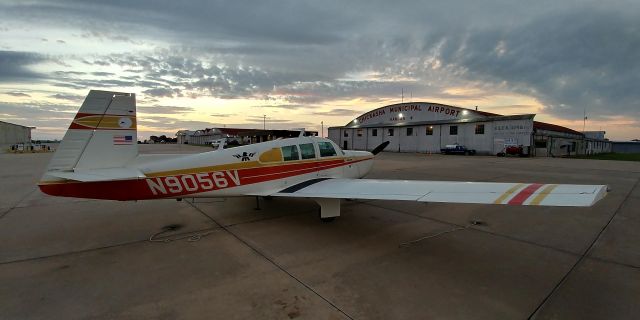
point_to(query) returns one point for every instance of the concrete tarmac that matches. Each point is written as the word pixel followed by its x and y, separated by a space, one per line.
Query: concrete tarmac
pixel 64 258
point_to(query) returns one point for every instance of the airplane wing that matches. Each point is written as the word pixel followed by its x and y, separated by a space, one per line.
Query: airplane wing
pixel 449 191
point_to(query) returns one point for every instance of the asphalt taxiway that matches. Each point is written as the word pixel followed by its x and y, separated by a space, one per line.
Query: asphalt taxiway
pixel 69 258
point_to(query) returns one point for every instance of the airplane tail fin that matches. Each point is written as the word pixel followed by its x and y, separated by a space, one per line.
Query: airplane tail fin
pixel 102 135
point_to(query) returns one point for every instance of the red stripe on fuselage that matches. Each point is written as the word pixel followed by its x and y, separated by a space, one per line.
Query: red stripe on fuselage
pixel 523 195
pixel 139 189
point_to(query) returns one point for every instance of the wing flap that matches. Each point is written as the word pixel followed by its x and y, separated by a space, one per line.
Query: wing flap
pixel 450 191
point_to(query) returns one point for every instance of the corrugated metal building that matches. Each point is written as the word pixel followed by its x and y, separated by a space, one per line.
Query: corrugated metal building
pixel 428 127
pixel 626 146
pixel 13 134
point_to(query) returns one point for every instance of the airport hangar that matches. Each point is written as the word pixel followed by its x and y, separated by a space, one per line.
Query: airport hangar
pixel 13 134
pixel 426 127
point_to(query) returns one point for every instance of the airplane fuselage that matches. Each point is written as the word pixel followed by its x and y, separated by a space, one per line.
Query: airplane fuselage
pixel 257 169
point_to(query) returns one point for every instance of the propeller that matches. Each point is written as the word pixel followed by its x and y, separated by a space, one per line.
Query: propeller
pixel 379 148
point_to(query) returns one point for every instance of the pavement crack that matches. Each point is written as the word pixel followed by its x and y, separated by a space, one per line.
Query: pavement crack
pixel 17 204
pixel 272 261
pixel 117 245
pixel 584 255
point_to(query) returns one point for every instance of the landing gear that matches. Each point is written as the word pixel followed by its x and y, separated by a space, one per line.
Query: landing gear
pixel 329 209
pixel 327 220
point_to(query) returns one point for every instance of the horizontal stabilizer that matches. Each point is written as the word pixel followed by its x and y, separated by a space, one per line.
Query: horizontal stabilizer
pixel 98 174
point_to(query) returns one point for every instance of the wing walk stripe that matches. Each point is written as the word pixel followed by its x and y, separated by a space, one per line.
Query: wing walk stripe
pixel 302 185
pixel 508 193
pixel 523 195
pixel 543 194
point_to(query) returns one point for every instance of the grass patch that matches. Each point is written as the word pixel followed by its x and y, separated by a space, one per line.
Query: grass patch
pixel 612 156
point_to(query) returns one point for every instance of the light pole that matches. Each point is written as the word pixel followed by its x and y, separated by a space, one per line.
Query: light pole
pixel 264 122
pixel 322 129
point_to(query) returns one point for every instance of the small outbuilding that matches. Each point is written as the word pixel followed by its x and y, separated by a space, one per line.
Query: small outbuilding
pixel 14 135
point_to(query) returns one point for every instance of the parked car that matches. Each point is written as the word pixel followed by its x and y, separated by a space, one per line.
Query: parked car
pixel 457 149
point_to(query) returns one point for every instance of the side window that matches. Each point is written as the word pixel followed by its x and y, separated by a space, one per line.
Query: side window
pixel 326 149
pixel 453 130
pixel 374 132
pixel 390 133
pixel 430 130
pixel 290 153
pixel 307 151
pixel 409 132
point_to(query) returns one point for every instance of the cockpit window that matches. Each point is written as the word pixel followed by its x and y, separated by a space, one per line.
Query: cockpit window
pixel 326 149
pixel 307 151
pixel 290 153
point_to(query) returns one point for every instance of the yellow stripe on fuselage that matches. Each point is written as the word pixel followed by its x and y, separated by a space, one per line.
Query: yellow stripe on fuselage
pixel 509 192
pixel 543 194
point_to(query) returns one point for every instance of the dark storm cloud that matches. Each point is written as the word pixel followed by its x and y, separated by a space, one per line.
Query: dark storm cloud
pixel 14 66
pixel 569 60
pixel 569 55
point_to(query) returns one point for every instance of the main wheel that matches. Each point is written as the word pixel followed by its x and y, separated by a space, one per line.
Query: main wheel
pixel 327 220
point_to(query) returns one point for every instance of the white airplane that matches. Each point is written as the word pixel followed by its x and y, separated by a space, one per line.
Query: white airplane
pixel 98 158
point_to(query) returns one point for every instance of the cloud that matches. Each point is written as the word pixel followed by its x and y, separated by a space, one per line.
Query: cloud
pixel 280 106
pixel 337 113
pixel 69 97
pixel 222 115
pixel 568 60
pixel 164 109
pixel 15 66
pixel 18 94
pixel 564 55
pixel 162 92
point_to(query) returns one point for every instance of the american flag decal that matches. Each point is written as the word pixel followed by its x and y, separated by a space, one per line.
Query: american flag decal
pixel 122 140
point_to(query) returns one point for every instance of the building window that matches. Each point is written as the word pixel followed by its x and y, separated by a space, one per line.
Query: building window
pixel 541 144
pixel 290 153
pixel 390 133
pixel 453 130
pixel 346 134
pixel 409 132
pixel 374 132
pixel 479 128
pixel 307 151
pixel 359 132
pixel 430 131
pixel 326 149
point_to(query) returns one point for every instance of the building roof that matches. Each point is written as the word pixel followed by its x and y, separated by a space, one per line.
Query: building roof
pixel 19 125
pixel 554 127
pixel 241 132
pixel 449 121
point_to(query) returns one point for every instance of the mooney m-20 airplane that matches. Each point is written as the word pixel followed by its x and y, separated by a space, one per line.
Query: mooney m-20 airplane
pixel 98 158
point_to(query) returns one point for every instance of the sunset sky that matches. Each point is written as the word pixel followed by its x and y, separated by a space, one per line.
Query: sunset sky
pixel 197 64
